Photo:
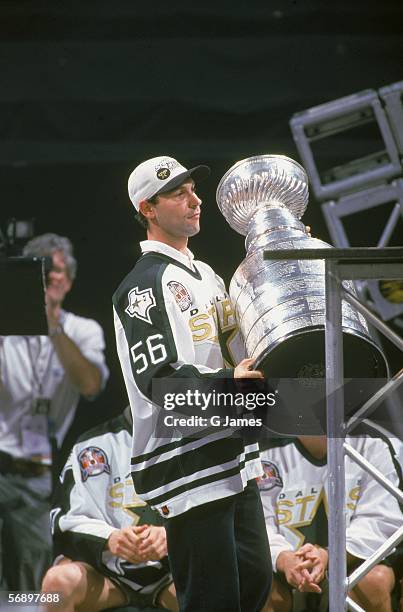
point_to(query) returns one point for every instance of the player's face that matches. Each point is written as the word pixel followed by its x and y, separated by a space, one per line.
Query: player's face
pixel 177 212
pixel 58 281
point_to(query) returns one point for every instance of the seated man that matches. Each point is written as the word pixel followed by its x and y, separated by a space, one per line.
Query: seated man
pixel 110 548
pixel 294 498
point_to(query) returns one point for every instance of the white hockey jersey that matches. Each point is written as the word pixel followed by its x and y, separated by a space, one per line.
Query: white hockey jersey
pixel 173 321
pixel 95 497
pixel 294 496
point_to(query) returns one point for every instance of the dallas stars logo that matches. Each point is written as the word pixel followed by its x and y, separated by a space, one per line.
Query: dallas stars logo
pixel 140 304
pixel 310 522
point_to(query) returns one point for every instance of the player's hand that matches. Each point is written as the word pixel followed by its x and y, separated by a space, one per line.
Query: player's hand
pixel 290 564
pixel 308 230
pixel 307 585
pixel 244 369
pixel 153 545
pixel 314 564
pixel 126 543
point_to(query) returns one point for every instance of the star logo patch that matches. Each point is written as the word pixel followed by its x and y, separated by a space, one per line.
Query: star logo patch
pixel 140 304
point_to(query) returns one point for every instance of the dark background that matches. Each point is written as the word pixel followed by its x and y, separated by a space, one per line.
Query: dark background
pixel 90 89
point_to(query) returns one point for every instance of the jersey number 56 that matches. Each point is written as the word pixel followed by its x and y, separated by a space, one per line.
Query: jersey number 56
pixel 152 352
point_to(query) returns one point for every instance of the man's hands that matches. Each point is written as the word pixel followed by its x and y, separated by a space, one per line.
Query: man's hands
pixel 153 545
pixel 138 544
pixel 244 369
pixel 304 569
pixel 289 564
pixel 314 564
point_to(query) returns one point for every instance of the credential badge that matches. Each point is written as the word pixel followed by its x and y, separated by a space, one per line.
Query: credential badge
pixel 140 304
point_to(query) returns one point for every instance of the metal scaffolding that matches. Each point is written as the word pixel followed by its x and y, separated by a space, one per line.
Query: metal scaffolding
pixel 369 178
pixel 349 264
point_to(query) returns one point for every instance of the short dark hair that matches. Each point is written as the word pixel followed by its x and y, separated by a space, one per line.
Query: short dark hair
pixel 140 218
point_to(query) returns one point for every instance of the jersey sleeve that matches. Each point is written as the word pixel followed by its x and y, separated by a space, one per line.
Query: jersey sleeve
pixel 377 514
pixel 231 339
pixel 278 543
pixel 153 340
pixel 79 528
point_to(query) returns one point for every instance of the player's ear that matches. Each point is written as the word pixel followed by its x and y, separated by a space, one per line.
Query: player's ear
pixel 147 209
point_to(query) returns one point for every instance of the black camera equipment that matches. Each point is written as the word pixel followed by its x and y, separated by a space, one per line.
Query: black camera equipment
pixel 22 283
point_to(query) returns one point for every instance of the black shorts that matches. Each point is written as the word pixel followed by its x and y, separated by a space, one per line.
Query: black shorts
pixel 145 597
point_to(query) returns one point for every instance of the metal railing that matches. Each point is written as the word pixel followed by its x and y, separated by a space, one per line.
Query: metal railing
pixel 349 264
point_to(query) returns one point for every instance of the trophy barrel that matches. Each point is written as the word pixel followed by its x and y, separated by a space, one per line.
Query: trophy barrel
pixel 280 308
pixel 280 305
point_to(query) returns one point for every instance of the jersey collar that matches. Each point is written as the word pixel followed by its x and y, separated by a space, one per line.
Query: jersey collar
pixel 160 247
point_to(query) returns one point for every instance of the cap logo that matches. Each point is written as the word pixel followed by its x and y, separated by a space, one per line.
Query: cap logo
pixel 163 173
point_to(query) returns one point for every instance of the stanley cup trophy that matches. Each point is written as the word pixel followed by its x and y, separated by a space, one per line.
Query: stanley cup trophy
pixel 280 305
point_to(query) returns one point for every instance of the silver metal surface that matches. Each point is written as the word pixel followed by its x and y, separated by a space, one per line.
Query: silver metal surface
pixel 280 305
pixel 382 552
pixel 262 182
pixel 353 606
pixel 378 476
pixel 335 441
pixel 370 405
pixel 374 320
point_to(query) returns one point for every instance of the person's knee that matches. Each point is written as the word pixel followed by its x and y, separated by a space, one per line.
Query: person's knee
pixel 376 586
pixel 64 578
pixel 167 598
pixel 280 598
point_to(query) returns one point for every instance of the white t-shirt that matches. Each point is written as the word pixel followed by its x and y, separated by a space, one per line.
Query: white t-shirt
pixel 30 369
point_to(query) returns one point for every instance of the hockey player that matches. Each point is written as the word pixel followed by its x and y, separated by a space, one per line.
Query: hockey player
pixel 294 496
pixel 110 546
pixel 172 317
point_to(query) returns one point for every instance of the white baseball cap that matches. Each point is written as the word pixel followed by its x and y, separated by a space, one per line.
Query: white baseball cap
pixel 160 174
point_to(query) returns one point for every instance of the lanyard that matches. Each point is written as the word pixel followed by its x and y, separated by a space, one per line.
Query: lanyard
pixel 37 379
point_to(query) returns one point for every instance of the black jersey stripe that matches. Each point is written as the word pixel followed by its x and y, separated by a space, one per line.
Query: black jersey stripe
pixel 181 443
pixel 169 260
pixel 216 477
pixel 183 465
pixel 146 276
